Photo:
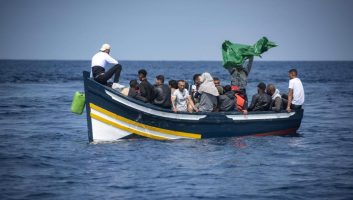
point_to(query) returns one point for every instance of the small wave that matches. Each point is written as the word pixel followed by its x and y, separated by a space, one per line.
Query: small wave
pixel 37 195
pixel 124 187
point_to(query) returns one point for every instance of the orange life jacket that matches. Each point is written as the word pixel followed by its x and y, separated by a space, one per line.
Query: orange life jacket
pixel 240 102
pixel 240 99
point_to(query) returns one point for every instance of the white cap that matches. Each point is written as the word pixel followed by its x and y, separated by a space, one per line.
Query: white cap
pixel 105 47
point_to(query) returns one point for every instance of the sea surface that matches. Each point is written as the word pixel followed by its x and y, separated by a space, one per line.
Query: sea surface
pixel 45 154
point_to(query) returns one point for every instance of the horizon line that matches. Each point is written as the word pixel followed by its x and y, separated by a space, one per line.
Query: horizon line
pixel 128 60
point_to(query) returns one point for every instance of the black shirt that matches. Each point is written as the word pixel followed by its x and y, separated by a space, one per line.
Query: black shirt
pixel 260 102
pixel 226 101
pixel 162 96
pixel 147 90
pixel 136 95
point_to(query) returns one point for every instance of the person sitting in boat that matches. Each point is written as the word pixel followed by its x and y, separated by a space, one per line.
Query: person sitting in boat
pixel 195 88
pixel 226 101
pixel 173 85
pixel 134 91
pixel 146 88
pixel 99 62
pixel 296 94
pixel 260 101
pixel 217 83
pixel 241 101
pixel 208 92
pixel 181 100
pixel 276 102
pixel 162 93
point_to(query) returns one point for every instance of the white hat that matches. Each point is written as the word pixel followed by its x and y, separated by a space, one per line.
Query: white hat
pixel 105 47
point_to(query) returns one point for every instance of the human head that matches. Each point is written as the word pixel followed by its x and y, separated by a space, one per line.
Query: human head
pixel 261 87
pixel 105 48
pixel 181 85
pixel 292 73
pixel 270 90
pixel 206 77
pixel 173 84
pixel 216 81
pixel 196 79
pixel 142 74
pixel 133 84
pixel 159 80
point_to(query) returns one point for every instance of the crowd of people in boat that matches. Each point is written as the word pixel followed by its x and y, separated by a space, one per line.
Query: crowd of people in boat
pixel 206 94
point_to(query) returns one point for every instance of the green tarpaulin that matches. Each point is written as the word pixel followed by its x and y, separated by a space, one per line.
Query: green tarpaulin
pixel 234 55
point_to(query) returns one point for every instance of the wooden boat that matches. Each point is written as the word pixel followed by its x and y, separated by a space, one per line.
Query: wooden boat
pixel 112 116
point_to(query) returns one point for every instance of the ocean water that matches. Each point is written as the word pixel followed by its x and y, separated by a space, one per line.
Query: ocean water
pixel 45 154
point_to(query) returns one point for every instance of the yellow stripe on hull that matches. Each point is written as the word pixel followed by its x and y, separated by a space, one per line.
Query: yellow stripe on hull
pixel 126 128
pixel 128 121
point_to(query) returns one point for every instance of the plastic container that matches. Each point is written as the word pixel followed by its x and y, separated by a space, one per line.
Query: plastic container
pixel 78 103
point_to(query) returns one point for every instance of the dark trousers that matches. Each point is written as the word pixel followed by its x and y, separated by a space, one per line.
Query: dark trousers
pixel 102 76
pixel 295 107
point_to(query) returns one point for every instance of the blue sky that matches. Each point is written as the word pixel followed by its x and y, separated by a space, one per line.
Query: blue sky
pixel 174 30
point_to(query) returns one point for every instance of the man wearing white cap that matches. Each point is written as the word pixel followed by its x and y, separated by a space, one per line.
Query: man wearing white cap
pixel 99 61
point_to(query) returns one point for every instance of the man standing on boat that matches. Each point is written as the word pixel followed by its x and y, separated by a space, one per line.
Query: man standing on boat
pixel 240 76
pixel 99 62
pixel 234 56
pixel 296 92
pixel 239 81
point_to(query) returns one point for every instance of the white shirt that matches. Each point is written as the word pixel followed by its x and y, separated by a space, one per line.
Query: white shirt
pixel 180 99
pixel 298 91
pixel 102 59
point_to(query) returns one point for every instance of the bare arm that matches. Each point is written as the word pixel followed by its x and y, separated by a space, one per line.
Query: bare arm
pixel 249 65
pixel 290 98
pixel 173 98
pixel 192 104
